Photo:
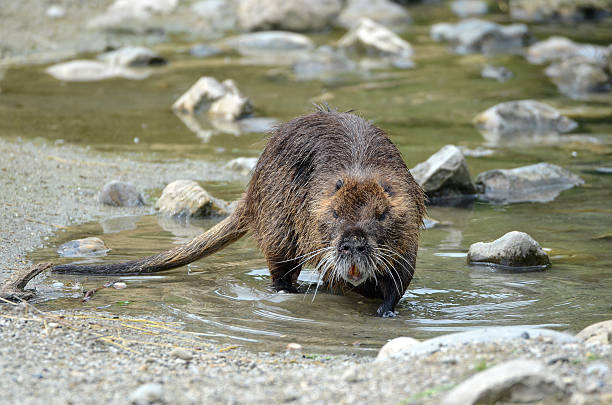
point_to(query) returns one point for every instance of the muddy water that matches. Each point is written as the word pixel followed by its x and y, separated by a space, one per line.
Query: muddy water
pixel 226 297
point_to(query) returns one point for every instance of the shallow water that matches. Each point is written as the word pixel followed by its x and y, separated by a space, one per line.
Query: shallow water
pixel 226 296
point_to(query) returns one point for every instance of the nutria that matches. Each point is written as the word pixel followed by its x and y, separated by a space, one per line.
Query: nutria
pixel 330 190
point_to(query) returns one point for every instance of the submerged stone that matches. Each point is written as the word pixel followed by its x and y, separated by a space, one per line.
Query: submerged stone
pixel 90 70
pixel 578 77
pixel 521 121
pixel 86 247
pixel 204 51
pixel 132 56
pixel 515 381
pixel 186 198
pixel 120 194
pixel 270 41
pixel 480 36
pixel 514 249
pixel 541 182
pixel 445 177
pixel 499 73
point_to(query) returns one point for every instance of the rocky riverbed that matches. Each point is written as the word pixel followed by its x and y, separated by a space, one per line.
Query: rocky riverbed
pixel 49 184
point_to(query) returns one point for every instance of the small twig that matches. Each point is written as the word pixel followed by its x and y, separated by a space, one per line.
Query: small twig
pixel 90 293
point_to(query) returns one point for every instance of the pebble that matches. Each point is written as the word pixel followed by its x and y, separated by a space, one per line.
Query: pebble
pixel 181 354
pixel 514 249
pixel 146 394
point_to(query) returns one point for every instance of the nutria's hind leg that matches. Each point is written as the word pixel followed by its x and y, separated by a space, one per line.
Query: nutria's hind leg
pixel 284 273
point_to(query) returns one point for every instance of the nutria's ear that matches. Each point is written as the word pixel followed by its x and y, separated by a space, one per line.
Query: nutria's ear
pixel 339 184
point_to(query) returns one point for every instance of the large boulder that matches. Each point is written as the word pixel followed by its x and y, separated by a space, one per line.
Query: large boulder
pixel 290 15
pixel 132 56
pixel 120 194
pixel 91 70
pixel 221 100
pixel 385 12
pixel 559 10
pixel 558 48
pixel 373 39
pixel 578 77
pixel 474 35
pixel 514 249
pixel 510 121
pixel 514 381
pixel 186 198
pixel 269 41
pixel 541 182
pixel 445 177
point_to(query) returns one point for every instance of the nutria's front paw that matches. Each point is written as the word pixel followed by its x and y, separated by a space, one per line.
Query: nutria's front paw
pixel 287 288
pixel 385 312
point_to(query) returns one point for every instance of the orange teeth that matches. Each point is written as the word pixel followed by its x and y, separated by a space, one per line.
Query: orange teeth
pixel 354 273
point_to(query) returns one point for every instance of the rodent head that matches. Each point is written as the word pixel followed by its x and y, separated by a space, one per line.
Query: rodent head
pixel 367 225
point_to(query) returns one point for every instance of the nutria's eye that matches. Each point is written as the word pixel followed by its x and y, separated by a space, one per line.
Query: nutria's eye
pixel 382 216
pixel 339 184
pixel 334 213
pixel 386 189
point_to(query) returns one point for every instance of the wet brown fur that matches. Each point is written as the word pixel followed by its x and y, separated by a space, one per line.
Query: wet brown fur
pixel 318 174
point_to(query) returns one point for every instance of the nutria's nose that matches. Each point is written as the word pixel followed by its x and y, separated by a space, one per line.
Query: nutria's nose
pixel 354 241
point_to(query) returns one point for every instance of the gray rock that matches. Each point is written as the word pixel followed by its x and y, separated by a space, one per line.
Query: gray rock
pixel 220 14
pixel 515 381
pixel 512 121
pixel 132 56
pixel 204 51
pixel 469 8
pixel 243 165
pixel 482 336
pixel 391 15
pixel 291 15
pixel 122 11
pixel 87 247
pixel 578 77
pixel 555 10
pixel 558 48
pixel 147 394
pixel 120 194
pixel 222 100
pixel 374 39
pixel 514 249
pixel 479 36
pixel 598 368
pixel 395 346
pixel 499 73
pixel 181 354
pixel 325 64
pixel 445 176
pixel 541 182
pixel 90 70
pixel 269 41
pixel 186 198
pixel 600 332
